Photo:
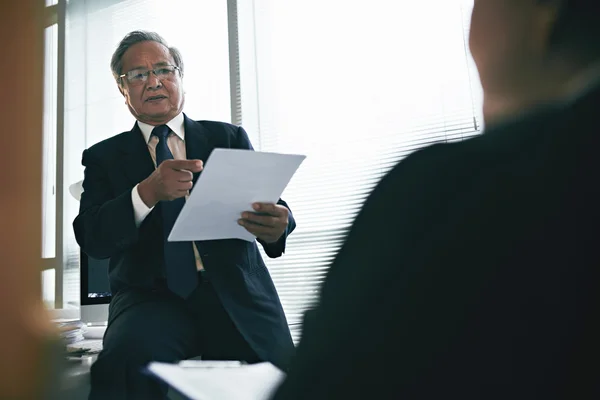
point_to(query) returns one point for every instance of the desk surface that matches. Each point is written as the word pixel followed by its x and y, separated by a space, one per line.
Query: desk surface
pixel 75 382
pixel 80 367
pixel 94 344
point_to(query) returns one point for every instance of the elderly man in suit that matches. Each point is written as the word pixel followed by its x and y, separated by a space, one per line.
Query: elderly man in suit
pixel 172 300
pixel 473 270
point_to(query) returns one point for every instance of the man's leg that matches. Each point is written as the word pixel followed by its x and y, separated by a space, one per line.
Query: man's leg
pixel 221 340
pixel 160 328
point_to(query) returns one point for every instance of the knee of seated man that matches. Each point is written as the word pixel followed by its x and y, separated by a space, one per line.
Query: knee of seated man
pixel 139 346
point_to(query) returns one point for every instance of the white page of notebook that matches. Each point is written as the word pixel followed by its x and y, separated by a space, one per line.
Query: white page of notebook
pixel 232 180
pixel 248 382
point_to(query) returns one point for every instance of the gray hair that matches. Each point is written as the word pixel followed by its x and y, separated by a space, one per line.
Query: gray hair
pixel 116 63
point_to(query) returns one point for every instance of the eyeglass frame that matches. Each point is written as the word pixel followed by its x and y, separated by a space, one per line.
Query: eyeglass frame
pixel 148 71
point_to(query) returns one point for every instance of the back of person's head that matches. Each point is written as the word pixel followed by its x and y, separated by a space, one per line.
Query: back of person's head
pixel 528 51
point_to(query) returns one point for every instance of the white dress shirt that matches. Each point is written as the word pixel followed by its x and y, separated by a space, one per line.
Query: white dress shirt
pixel 176 143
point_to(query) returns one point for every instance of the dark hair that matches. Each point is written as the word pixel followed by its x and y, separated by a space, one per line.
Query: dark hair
pixel 577 29
pixel 116 62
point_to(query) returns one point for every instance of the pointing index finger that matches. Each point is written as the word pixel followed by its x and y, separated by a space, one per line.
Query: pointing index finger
pixel 188 165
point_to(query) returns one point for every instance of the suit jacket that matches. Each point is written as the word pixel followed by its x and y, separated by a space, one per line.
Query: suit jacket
pixel 105 227
pixel 471 272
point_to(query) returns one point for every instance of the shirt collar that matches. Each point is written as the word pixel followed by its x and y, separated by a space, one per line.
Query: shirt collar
pixel 176 125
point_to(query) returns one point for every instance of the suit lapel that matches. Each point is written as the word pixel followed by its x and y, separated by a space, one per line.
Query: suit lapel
pixel 197 144
pixel 136 161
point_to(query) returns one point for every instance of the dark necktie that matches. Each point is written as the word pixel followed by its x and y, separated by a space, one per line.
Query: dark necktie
pixel 180 262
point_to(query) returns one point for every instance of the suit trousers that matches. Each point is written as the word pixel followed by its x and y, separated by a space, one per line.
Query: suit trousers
pixel 163 327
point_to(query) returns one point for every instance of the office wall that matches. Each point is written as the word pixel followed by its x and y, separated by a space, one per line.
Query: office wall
pixel 24 327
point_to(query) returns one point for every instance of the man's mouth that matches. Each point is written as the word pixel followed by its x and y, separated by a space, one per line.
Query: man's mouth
pixel 156 98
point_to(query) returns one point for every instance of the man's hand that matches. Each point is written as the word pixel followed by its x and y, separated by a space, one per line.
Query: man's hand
pixel 171 180
pixel 267 222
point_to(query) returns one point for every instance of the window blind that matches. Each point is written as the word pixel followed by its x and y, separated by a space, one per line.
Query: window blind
pixel 356 86
pixel 95 110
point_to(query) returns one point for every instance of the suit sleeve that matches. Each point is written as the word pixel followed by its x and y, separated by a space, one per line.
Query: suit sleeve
pixel 371 305
pixel 273 250
pixel 106 222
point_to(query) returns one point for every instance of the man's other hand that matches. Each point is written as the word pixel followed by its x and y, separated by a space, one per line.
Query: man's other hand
pixel 171 180
pixel 267 222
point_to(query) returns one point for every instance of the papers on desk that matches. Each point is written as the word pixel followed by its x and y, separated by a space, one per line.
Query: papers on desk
pixel 245 382
pixel 71 330
pixel 231 181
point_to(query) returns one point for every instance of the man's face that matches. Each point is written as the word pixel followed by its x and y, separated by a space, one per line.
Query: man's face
pixel 156 101
pixel 509 41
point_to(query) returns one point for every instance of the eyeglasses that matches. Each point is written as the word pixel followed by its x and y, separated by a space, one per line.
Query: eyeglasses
pixel 140 76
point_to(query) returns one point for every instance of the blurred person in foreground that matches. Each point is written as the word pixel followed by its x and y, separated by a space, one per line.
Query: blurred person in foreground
pixel 485 279
pixel 27 339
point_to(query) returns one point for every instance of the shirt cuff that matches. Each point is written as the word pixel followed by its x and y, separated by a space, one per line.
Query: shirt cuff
pixel 140 209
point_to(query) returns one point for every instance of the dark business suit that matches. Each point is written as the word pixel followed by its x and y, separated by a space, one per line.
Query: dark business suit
pixel 239 280
pixel 472 272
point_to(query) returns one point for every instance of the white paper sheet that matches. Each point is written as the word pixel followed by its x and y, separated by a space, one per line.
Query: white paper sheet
pixel 248 382
pixel 231 181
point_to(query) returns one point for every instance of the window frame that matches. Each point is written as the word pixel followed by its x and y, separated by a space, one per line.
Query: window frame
pixel 56 15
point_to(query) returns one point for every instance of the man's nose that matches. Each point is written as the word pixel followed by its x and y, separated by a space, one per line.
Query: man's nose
pixel 153 81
